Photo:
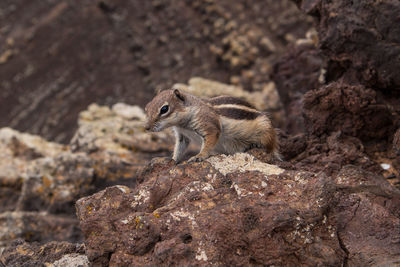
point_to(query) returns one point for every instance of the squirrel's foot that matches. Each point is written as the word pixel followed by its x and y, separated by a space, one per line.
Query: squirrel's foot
pixel 197 158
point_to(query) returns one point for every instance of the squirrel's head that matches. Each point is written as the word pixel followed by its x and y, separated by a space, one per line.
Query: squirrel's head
pixel 163 111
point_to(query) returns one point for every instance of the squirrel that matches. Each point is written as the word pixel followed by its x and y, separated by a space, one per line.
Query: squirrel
pixel 222 125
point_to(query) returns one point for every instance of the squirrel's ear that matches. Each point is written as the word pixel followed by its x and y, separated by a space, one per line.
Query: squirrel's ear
pixel 179 95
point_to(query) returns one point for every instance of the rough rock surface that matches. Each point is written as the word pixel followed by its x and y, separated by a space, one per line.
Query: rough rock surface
pixel 345 79
pixel 350 103
pixel 252 214
pixel 353 110
pixel 360 38
pixel 37 226
pixel 301 69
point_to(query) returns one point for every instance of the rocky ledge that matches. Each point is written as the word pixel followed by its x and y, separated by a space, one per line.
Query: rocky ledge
pixel 239 211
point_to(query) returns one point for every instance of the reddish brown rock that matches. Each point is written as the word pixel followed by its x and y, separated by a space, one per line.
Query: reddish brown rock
pixel 368 218
pixel 292 145
pixel 295 73
pixel 187 214
pixel 396 142
pixel 37 226
pixel 352 109
pixel 361 38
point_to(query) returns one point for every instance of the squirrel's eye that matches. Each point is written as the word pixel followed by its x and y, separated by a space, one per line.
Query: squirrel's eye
pixel 164 109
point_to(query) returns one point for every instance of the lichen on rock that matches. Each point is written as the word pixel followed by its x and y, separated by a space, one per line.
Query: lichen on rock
pixel 242 162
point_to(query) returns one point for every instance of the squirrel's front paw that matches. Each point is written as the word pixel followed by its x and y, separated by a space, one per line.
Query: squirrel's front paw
pixel 196 158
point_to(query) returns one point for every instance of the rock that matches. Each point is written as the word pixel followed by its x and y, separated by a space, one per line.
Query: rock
pixel 72 260
pixel 351 109
pixel 361 44
pixel 102 129
pixel 186 214
pixel 396 142
pixel 330 153
pixel 297 72
pixel 54 184
pixel 242 162
pixel 18 150
pixel 291 146
pixel 50 254
pixel 369 238
pixel 37 226
pixel 129 112
pixel 28 146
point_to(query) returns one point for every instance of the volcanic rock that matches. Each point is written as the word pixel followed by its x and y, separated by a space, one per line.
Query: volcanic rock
pixel 361 38
pixel 351 109
pixel 237 210
pixel 298 71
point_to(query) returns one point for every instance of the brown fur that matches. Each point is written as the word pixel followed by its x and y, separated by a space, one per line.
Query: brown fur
pixel 223 124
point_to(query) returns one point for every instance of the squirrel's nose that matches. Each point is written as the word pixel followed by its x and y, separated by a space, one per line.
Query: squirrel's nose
pixel 147 126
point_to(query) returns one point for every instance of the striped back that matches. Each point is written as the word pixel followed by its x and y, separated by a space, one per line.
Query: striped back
pixel 234 108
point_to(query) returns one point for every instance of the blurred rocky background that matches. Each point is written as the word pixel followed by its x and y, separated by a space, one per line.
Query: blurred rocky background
pixel 57 57
pixel 82 183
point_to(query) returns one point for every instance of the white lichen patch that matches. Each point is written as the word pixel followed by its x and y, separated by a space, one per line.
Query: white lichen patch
pixel 240 191
pixel 299 178
pixel 199 186
pixel 214 178
pixel 131 218
pixel 195 186
pixel 324 219
pixel 177 215
pixel 341 179
pixel 302 234
pixel 201 255
pixel 331 230
pixel 73 259
pixel 242 162
pixel 207 187
pixel 141 197
pixel 319 201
